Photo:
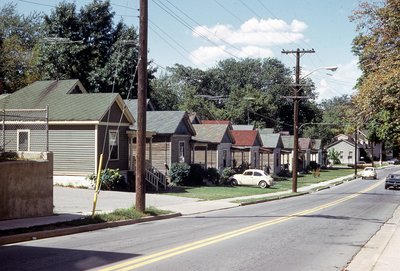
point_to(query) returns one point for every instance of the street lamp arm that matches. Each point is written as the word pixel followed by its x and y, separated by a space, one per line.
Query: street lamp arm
pixel 329 68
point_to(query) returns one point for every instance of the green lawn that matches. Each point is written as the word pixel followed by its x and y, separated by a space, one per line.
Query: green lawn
pixel 223 192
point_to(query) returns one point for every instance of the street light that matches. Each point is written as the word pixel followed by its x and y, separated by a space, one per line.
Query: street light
pixel 296 121
pixel 329 68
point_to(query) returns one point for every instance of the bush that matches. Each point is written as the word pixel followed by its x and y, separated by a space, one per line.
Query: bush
pixel 212 175
pixel 225 174
pixel 110 179
pixel 196 175
pixel 179 172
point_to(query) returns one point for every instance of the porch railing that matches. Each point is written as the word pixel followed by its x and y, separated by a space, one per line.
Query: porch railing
pixel 155 177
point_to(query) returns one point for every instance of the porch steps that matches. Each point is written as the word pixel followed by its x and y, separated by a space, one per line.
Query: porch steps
pixel 155 177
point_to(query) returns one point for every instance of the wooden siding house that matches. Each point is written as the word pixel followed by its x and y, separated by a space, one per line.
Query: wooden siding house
pixel 287 152
pixel 247 148
pixel 317 154
pixel 82 125
pixel 212 145
pixel 272 158
pixel 346 149
pixel 169 136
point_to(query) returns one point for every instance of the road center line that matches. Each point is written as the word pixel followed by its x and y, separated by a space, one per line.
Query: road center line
pixel 155 257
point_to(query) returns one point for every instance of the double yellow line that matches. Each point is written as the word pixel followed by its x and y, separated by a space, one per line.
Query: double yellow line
pixel 145 260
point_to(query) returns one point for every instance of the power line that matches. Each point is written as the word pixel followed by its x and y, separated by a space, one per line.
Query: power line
pixel 184 23
pixel 174 40
pixel 227 10
pixel 198 24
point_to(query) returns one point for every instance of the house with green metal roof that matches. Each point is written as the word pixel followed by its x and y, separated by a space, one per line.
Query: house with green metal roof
pixel 168 137
pixel 287 151
pixel 81 126
pixel 273 143
pixel 212 145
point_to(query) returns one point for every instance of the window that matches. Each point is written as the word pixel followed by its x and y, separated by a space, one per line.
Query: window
pixel 257 173
pixel 350 155
pixel 113 144
pixel 248 173
pixel 341 155
pixel 182 151
pixel 23 140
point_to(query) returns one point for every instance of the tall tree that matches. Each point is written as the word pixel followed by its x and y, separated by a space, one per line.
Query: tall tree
pixel 249 90
pixel 378 48
pixel 335 118
pixel 86 45
pixel 18 36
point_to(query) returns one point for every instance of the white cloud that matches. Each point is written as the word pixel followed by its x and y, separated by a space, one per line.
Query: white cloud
pixel 254 32
pixel 252 39
pixel 207 55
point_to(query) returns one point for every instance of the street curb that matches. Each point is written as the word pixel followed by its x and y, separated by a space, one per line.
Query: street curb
pixel 273 199
pixel 78 229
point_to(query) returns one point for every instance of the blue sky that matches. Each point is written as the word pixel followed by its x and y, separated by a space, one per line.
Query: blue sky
pixel 199 33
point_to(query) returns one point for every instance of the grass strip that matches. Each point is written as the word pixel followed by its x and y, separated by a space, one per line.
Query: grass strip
pixel 117 215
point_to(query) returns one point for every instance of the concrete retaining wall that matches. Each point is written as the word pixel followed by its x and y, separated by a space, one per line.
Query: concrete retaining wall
pixel 26 186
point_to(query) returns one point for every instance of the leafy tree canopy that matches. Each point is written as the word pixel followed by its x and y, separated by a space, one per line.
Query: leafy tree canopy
pixel 86 45
pixel 378 48
pixel 18 36
pixel 336 117
pixel 245 91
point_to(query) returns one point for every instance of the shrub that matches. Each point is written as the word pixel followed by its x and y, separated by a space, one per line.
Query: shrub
pixel 110 179
pixel 225 174
pixel 179 172
pixel 196 175
pixel 212 175
pixel 333 156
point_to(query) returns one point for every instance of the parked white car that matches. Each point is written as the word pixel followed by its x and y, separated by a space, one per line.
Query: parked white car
pixel 369 172
pixel 252 177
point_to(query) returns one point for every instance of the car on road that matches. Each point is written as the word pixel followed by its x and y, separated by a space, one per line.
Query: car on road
pixel 394 161
pixel 252 177
pixel 392 180
pixel 369 172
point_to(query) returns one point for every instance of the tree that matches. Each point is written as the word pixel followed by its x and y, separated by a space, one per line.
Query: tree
pixel 236 90
pixel 378 48
pixel 87 46
pixel 335 118
pixel 18 36
pixel 333 156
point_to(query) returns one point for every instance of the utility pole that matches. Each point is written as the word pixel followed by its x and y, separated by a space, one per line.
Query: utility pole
pixel 141 119
pixel 355 151
pixel 299 53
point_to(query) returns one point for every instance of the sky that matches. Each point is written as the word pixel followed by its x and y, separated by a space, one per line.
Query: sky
pixel 199 33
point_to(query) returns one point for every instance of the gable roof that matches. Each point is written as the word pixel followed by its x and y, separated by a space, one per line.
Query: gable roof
pixel 316 144
pixel 351 143
pixel 246 138
pixel 68 100
pixel 213 133
pixel 288 141
pixel 132 106
pixel 194 118
pixel 242 127
pixel 271 141
pixel 169 122
pixel 266 131
pixel 304 143
pixel 215 122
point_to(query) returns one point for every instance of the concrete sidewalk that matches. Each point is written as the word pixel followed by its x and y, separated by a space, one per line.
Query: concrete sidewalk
pixel 379 254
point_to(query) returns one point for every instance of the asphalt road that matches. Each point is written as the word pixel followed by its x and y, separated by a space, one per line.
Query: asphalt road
pixel 320 231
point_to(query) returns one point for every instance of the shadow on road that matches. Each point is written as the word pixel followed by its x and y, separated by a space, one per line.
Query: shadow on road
pixel 45 258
